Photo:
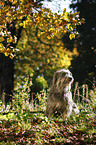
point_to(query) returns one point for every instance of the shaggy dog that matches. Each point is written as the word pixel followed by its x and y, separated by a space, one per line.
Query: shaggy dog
pixel 60 96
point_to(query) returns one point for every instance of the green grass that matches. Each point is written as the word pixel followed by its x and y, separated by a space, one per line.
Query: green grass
pixel 27 128
pixel 24 123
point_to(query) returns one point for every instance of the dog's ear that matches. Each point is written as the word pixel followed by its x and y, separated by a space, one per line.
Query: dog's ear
pixel 55 77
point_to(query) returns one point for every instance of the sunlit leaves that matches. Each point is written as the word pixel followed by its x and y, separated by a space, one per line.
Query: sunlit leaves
pixel 58 23
pixel 1 39
pixel 1 47
pixel 49 37
pixel 26 14
pixel 42 52
pixel 6 51
pixel 66 16
pixel 70 27
pixel 51 29
pixel 71 36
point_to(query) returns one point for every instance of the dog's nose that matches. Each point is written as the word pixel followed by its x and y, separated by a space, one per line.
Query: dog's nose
pixel 70 78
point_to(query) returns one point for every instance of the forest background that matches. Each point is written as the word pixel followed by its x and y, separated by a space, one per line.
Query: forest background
pixel 34 43
pixel 37 54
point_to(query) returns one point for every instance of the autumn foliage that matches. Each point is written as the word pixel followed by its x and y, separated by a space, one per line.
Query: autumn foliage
pixel 32 34
pixel 17 15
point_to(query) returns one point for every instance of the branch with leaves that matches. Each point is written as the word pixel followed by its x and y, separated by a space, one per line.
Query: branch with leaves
pixel 20 14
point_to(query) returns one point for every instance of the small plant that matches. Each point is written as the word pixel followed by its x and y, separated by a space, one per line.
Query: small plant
pixel 21 96
pixel 42 97
pixel 4 108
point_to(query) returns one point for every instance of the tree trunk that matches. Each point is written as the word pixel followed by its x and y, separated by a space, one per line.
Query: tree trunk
pixel 6 78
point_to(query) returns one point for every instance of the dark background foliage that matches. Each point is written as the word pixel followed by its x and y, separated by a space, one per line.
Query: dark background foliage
pixel 84 66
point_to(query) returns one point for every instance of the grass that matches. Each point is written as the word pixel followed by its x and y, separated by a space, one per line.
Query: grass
pixel 23 122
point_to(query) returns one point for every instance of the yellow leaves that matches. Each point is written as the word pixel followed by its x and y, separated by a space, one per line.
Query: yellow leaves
pixel 82 20
pixel 5 9
pixel 1 39
pixel 58 44
pixel 50 16
pixel 64 10
pixel 65 31
pixel 26 23
pixel 20 16
pixel 75 52
pixel 8 14
pixel 64 58
pixel 49 37
pixel 0 12
pixel 51 29
pixel 1 3
pixel 76 14
pixel 71 36
pixel 66 16
pixel 48 60
pixel 54 57
pixel 71 16
pixel 57 30
pixel 21 24
pixel 41 34
pixel 15 15
pixel 70 27
pixel 14 2
pixel 1 47
pixel 65 62
pixel 37 20
pixel 74 21
pixel 8 19
pixel 6 54
pixel 51 25
pixel 45 10
pixel 21 1
pixel 46 25
pixel 6 51
pixel 56 21
pixel 9 40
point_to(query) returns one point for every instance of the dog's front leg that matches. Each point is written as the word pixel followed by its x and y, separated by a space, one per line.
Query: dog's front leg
pixel 69 109
pixel 49 110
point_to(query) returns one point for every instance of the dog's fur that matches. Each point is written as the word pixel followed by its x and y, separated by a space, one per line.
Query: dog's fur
pixel 60 96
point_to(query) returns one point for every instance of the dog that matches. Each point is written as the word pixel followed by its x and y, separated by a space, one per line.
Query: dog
pixel 60 95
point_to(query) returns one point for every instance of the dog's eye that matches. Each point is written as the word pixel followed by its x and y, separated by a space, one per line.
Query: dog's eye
pixel 69 79
pixel 64 74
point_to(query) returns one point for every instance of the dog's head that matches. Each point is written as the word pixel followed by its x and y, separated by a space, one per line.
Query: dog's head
pixel 62 78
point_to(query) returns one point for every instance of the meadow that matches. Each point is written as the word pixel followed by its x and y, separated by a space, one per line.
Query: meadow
pixel 22 122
